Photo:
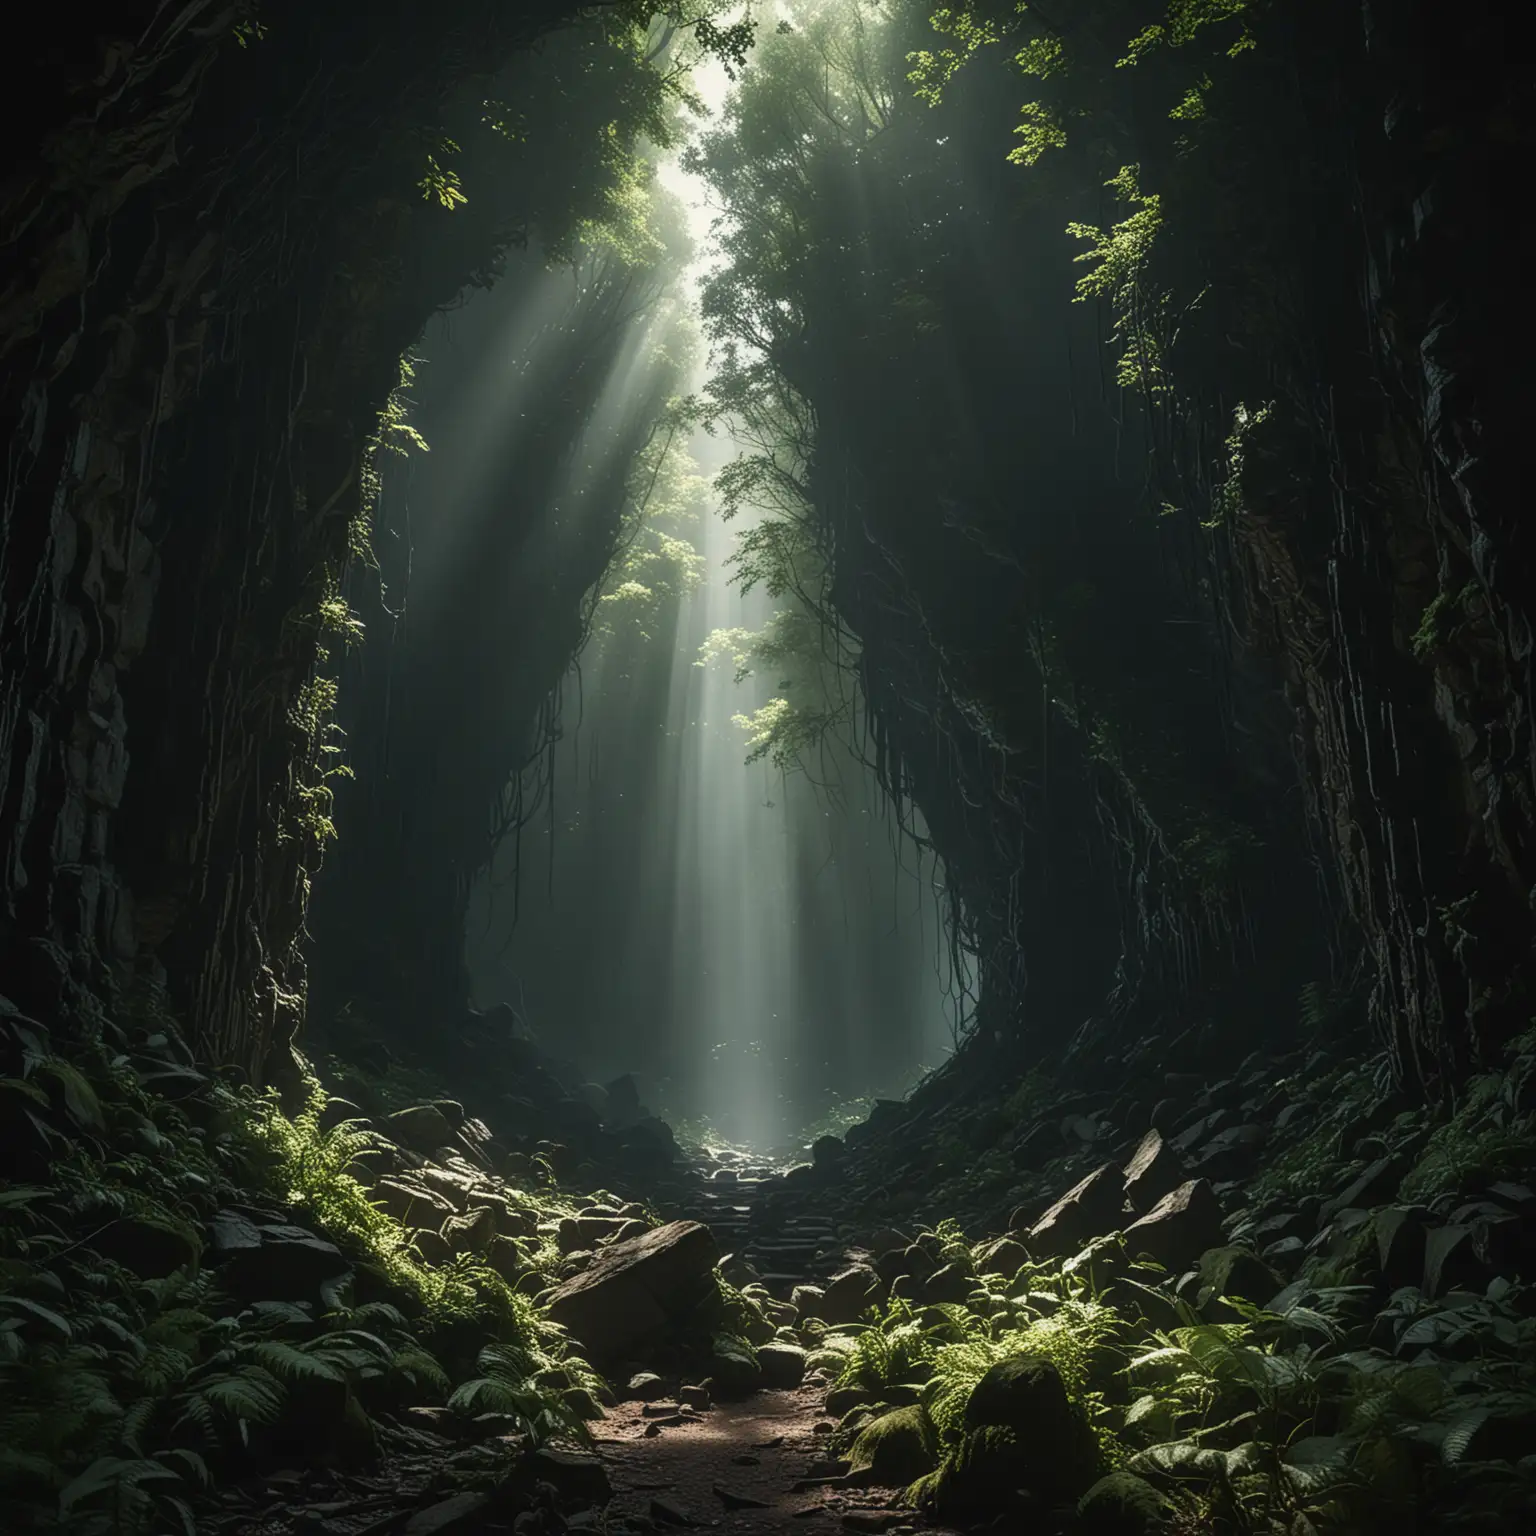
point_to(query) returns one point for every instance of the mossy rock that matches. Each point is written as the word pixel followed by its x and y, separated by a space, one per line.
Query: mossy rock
pixel 980 1478
pixel 1025 1394
pixel 896 1449
pixel 1122 1504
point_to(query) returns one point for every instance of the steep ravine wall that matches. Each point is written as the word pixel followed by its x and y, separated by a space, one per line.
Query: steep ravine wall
pixel 1381 524
pixel 1217 686
pixel 217 254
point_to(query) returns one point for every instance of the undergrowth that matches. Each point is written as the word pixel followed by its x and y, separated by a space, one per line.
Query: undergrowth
pixel 130 1378
pixel 1321 1415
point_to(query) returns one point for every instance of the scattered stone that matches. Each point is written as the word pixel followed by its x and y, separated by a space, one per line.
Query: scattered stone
pixel 733 1500
pixel 1089 1209
pixel 1180 1227
pixel 952 1283
pixel 285 1263
pixel 1003 1256
pixel 1283 1251
pixel 577 1476
pixel 646 1386
pixel 841 1400
pixel 432 1246
pixel 412 1204
pixel 734 1364
pixel 1199 1130
pixel 473 1233
pixel 670 1514
pixel 422 1127
pixel 1153 1170
pixel 698 1398
pixel 452 1514
pixel 506 1258
pixel 1231 1154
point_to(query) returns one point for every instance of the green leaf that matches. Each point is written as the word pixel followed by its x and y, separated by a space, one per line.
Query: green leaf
pixel 112 1472
pixel 36 1309
pixel 79 1097
pixel 1460 1432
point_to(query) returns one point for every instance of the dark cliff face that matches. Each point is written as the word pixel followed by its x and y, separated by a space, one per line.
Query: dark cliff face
pixel 1216 682
pixel 218 253
pixel 1381 540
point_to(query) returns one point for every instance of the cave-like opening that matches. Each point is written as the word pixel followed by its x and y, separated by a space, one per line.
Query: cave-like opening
pixel 766 765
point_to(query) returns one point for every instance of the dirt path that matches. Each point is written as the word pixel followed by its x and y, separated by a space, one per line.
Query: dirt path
pixel 758 1449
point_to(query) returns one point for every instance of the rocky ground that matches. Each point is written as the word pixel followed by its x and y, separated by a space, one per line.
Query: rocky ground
pixel 1263 1296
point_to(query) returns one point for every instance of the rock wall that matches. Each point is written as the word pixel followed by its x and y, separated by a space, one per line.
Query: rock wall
pixel 1380 525
pixel 218 251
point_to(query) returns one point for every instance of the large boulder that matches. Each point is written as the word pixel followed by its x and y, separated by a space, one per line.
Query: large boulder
pixel 979 1480
pixel 734 1365
pixel 848 1293
pixel 1057 1454
pixel 149 1247
pixel 782 1365
pixel 1180 1227
pixel 1374 1185
pixel 1089 1209
pixel 636 1289
pixel 952 1283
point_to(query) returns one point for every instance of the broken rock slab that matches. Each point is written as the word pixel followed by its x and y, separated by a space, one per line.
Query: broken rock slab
pixel 635 1289
pixel 1180 1227
pixel 1089 1209
pixel 1154 1169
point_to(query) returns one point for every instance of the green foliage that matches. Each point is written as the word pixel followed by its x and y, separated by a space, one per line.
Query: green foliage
pixel 1487 1137
pixel 931 72
pixel 1121 254
pixel 657 563
pixel 1231 497
pixel 1304 1419
pixel 128 1378
pixel 440 184
pixel 1444 615
pixel 312 795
